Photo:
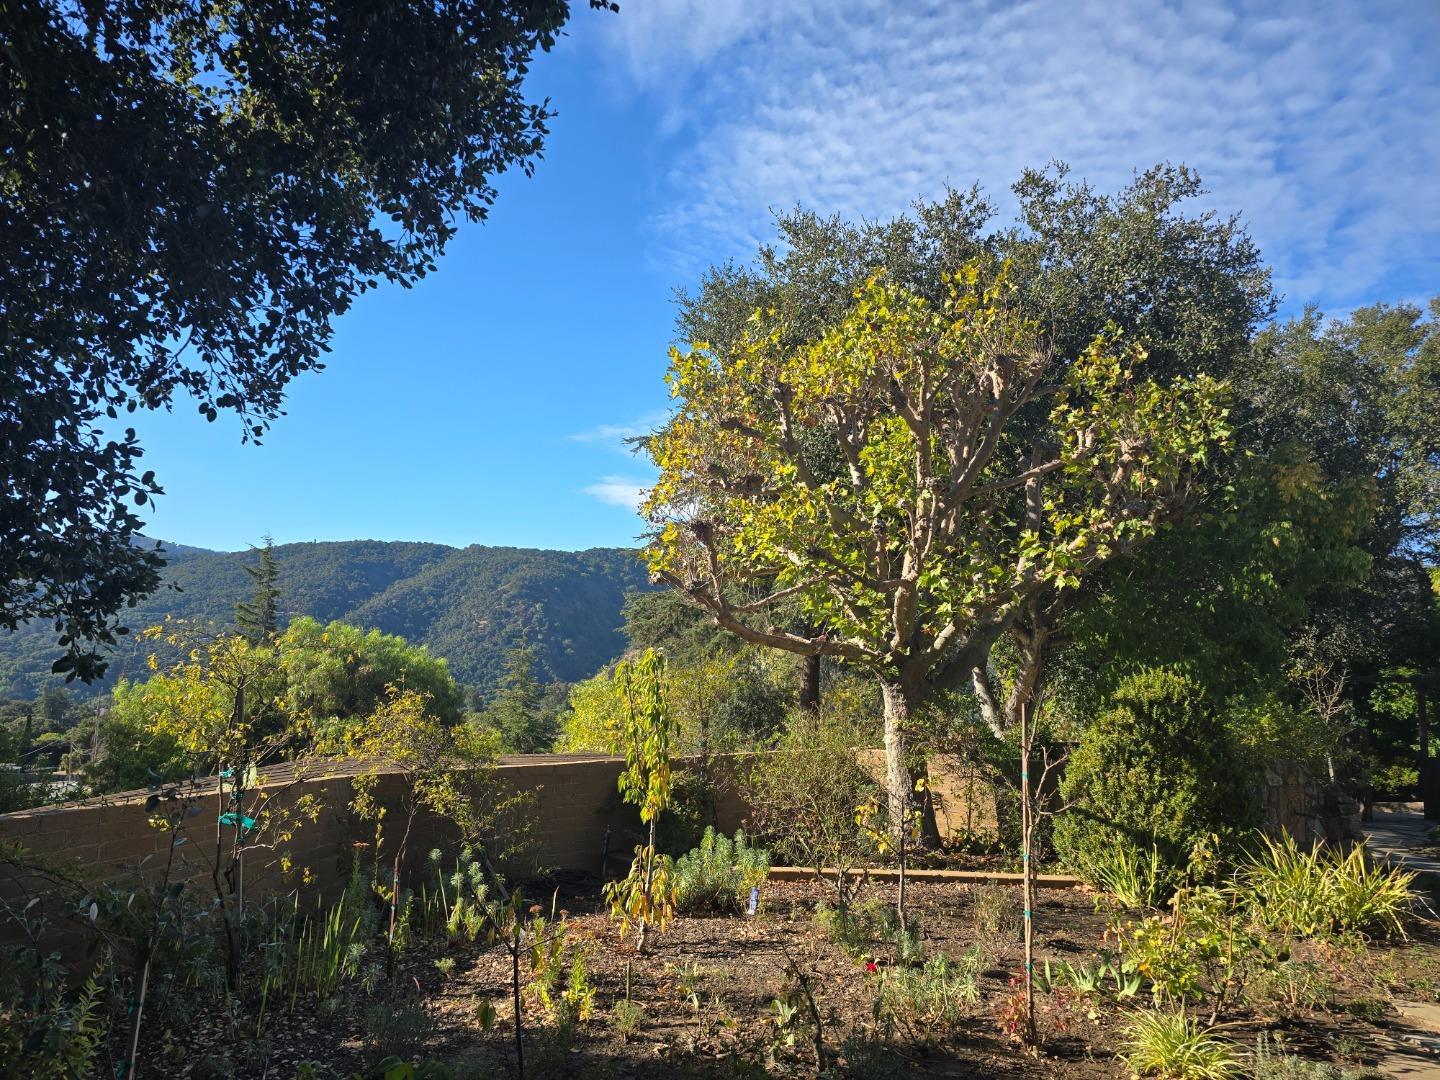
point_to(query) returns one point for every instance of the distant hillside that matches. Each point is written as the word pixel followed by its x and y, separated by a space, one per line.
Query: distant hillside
pixel 468 605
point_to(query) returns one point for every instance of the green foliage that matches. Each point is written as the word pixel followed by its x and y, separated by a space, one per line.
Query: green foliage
pixel 1271 1062
pixel 1159 767
pixel 397 1028
pixel 1134 879
pixel 625 1017
pixel 915 397
pixel 49 1035
pixel 259 617
pixel 303 690
pixel 272 168
pixel 1322 892
pixel 719 874
pixel 1205 952
pixel 516 709
pixel 1222 598
pixel 853 927
pixel 1174 1046
pixel 724 703
pixel 134 754
pixel 336 672
pixel 314 953
pixel 644 732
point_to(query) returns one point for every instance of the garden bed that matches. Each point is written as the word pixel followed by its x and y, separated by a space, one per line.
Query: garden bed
pixel 705 1001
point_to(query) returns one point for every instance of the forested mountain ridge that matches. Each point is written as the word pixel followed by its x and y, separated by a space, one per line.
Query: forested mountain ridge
pixel 468 605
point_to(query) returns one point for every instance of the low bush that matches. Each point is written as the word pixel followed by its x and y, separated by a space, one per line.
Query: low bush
pixel 926 1001
pixel 719 874
pixel 625 1017
pixel 1292 988
pixel 853 927
pixel 1173 1046
pixel 996 911
pixel 1273 1063
pixel 805 797
pixel 1205 950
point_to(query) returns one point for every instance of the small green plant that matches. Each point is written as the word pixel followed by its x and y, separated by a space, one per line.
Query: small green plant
pixel 1290 989
pixel 644 732
pixel 1173 1046
pixel 1135 880
pixel 1206 949
pixel 1371 1010
pixel 398 1028
pixel 314 954
pixel 852 927
pixel 625 1017
pixel 719 874
pixel 61 1041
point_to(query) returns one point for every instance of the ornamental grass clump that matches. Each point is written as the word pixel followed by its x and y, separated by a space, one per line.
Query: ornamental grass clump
pixel 1173 1046
pixel 1322 892
pixel 1134 879
pixel 719 874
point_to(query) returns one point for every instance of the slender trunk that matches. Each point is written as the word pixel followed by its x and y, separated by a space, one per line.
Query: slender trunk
pixel 515 999
pixel 649 882
pixel 900 887
pixel 810 684
pixel 1027 830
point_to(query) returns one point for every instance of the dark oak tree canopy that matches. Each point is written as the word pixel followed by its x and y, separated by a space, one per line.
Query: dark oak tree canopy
pixel 190 192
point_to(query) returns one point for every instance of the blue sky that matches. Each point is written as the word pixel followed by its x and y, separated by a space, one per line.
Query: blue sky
pixel 487 405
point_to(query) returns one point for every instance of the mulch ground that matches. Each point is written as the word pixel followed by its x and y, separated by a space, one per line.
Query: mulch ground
pixel 707 989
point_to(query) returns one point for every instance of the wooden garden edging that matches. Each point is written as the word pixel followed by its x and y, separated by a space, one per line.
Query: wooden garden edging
pixel 963 877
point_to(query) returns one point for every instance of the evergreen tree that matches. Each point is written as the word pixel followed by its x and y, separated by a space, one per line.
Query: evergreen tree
pixel 516 713
pixel 259 617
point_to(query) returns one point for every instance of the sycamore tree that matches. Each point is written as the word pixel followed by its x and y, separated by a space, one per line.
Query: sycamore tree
pixel 911 476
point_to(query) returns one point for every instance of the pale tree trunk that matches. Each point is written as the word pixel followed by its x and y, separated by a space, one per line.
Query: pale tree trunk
pixel 898 785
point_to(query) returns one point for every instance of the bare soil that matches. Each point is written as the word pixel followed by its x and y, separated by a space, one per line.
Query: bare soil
pixel 706 993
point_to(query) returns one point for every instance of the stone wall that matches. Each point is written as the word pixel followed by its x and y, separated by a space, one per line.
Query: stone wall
pixel 1294 800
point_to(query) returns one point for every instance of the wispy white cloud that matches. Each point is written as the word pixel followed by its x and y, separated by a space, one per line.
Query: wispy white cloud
pixel 615 435
pixel 1316 120
pixel 623 491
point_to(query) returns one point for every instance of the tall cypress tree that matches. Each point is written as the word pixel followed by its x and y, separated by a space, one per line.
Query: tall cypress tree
pixel 259 618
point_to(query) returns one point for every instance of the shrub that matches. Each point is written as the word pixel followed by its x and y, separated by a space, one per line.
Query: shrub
pixel 1158 768
pixel 996 912
pixel 625 1017
pixel 806 794
pixel 719 874
pixel 927 1001
pixel 851 927
pixel 1173 1046
pixel 1308 894
pixel 1205 951
pixel 1291 989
